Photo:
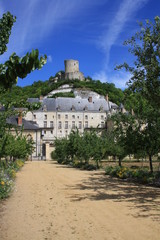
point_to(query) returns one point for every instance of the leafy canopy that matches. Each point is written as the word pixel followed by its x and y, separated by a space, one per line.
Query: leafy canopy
pixel 15 66
pixel 142 132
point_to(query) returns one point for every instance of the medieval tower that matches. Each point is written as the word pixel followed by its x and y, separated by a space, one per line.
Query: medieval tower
pixel 72 70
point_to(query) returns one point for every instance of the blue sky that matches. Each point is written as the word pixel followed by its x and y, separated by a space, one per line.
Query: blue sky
pixel 91 31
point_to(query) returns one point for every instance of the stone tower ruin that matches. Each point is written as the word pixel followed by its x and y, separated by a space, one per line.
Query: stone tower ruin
pixel 72 70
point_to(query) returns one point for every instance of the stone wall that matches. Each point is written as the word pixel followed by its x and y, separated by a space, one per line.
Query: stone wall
pixel 71 66
pixel 72 70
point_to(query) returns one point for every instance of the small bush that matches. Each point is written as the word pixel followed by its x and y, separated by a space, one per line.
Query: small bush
pixel 5 185
pixel 135 174
pixel 108 170
pixel 7 175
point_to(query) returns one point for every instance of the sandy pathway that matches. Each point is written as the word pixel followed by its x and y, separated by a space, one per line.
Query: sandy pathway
pixel 53 202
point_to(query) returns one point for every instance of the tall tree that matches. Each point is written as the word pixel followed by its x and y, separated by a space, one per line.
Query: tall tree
pixel 144 86
pixel 145 73
pixel 15 66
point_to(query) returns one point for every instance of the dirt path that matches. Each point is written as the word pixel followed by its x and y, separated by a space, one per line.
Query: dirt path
pixel 52 202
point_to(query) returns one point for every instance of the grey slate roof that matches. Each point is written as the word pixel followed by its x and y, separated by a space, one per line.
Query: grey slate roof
pixel 32 100
pixel 27 125
pixel 79 104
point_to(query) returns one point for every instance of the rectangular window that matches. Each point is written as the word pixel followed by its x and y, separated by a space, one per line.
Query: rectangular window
pixel 66 125
pixel 66 116
pixel 51 124
pixel 59 125
pixel 45 116
pixel 44 132
pixel 102 124
pixel 80 125
pixel 59 116
pixel 73 124
pixel 51 132
pixel 45 124
pixel 86 116
pixel 86 124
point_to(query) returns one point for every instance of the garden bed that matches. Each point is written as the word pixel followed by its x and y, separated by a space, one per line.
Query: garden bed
pixel 134 174
pixel 7 175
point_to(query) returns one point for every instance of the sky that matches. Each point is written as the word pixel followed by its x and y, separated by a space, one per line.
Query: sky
pixel 90 31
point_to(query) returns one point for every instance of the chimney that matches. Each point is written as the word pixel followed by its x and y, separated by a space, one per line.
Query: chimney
pixel 20 119
pixel 90 99
pixel 106 97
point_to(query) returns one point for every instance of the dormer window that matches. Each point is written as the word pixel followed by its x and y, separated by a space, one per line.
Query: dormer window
pixel 44 108
pixel 58 108
pixel 73 108
pixel 85 108
pixel 101 108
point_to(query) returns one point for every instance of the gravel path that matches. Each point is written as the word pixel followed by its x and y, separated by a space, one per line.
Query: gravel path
pixel 53 202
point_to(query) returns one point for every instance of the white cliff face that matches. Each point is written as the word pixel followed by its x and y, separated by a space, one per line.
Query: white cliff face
pixel 62 89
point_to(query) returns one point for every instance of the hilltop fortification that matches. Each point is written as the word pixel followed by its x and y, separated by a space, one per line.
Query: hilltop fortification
pixel 72 70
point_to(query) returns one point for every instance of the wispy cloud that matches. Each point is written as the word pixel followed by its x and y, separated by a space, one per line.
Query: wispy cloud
pixel 100 76
pixel 125 12
pixel 37 19
pixel 118 78
pixel 49 58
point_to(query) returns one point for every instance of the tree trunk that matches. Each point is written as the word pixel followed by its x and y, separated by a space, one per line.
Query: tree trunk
pixel 97 164
pixel 120 165
pixel 150 163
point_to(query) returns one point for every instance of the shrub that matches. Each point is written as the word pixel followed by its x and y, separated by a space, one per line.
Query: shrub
pixel 5 185
pixel 108 170
pixel 138 175
pixel 7 175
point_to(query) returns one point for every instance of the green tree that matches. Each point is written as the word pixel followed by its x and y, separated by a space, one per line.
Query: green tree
pixel 13 68
pixel 144 88
pixel 61 150
pixel 87 146
pixel 98 149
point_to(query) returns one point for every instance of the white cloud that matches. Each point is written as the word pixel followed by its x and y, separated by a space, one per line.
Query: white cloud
pixel 49 58
pixel 119 78
pixel 37 19
pixel 126 10
pixel 102 76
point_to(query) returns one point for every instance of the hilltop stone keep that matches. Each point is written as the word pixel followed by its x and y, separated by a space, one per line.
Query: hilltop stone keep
pixel 72 70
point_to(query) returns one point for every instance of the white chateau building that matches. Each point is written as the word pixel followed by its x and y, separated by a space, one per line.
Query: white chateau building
pixel 57 117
